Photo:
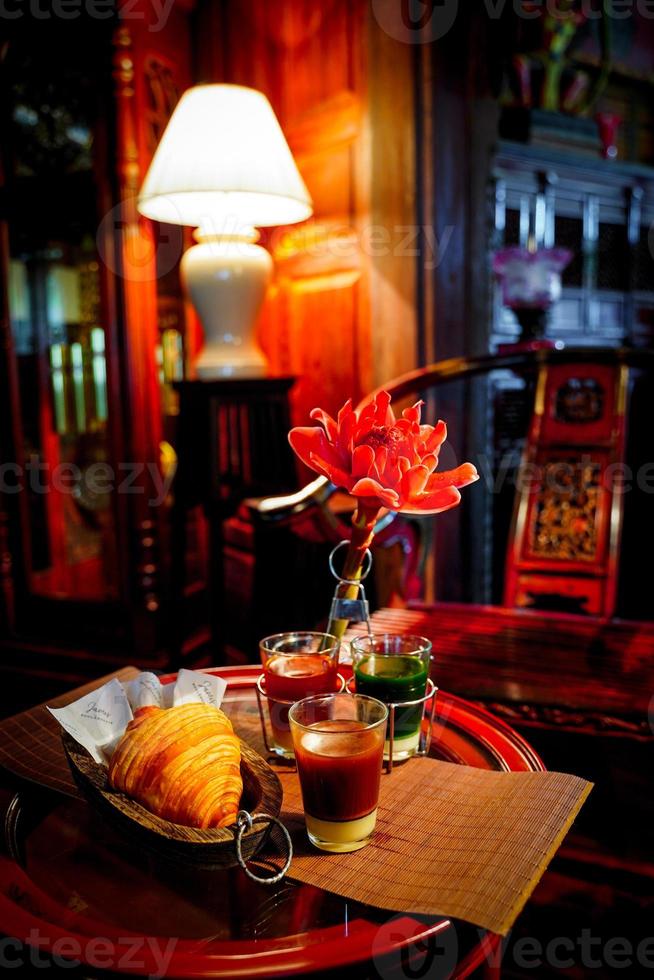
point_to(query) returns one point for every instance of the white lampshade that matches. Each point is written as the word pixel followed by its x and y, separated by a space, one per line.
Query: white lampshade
pixel 223 161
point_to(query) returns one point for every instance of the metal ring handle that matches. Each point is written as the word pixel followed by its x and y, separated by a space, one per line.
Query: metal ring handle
pixel 364 571
pixel 245 821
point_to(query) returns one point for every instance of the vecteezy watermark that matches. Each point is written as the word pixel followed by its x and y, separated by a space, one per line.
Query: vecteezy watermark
pixel 373 240
pixel 403 947
pixel 95 481
pixel 415 21
pixel 564 9
pixel 586 950
pixel 563 476
pixel 140 254
pixel 144 257
pixel 130 10
pixel 567 477
pixel 127 954
pixel 424 21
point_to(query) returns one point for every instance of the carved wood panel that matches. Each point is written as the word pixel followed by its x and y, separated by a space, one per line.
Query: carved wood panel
pixel 151 69
pixel 568 517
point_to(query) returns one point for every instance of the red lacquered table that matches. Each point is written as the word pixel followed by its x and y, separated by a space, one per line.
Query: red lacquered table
pixel 66 879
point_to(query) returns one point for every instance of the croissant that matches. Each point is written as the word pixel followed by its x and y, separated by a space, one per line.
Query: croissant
pixel 182 764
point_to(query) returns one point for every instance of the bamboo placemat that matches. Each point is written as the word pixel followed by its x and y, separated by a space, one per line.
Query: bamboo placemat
pixel 30 742
pixel 450 840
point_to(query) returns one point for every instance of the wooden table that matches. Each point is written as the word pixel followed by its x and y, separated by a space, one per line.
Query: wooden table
pixel 570 671
pixel 582 690
pixel 67 875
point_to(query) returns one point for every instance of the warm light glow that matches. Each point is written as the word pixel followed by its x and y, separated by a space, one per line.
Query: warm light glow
pixel 223 164
pixel 292 499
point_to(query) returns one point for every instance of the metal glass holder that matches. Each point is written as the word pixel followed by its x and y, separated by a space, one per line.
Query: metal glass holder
pixel 262 695
pixel 356 610
pixel 424 738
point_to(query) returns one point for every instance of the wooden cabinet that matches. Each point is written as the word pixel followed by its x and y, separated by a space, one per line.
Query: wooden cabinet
pixel 91 337
pixel 602 210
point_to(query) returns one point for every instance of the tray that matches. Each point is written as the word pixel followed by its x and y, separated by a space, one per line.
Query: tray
pixel 69 876
pixel 208 849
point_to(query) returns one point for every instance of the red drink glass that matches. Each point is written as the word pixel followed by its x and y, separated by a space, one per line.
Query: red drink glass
pixel 296 666
pixel 339 747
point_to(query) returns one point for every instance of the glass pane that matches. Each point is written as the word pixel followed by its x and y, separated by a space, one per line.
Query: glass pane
pixel 512 228
pixel 568 234
pixel 612 253
pixel 56 310
pixel 644 261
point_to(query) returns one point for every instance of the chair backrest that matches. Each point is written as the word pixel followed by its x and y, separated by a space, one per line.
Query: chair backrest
pixel 564 545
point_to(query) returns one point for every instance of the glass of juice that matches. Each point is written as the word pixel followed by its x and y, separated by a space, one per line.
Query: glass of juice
pixel 295 666
pixel 339 747
pixel 394 668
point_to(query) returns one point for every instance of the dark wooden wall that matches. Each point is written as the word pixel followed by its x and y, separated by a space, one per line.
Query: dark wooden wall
pixel 341 313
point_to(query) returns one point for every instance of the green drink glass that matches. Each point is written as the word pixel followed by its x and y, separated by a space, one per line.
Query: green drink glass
pixel 394 668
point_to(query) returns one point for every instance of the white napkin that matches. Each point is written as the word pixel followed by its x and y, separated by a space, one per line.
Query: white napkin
pixel 99 719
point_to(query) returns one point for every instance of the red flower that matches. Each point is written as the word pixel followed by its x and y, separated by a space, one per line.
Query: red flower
pixel 383 460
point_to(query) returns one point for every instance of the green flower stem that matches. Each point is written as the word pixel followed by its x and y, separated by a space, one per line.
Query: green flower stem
pixel 363 530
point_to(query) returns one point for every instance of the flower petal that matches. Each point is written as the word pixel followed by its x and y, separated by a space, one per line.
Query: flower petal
pixel 308 440
pixel 334 474
pixel 434 439
pixel 314 449
pixel 384 414
pixel 363 459
pixel 433 503
pixel 460 477
pixel 392 474
pixel 381 457
pixel 370 488
pixel 414 481
pixel 347 420
pixel 364 422
pixel 345 412
pixel 325 419
pixel 413 414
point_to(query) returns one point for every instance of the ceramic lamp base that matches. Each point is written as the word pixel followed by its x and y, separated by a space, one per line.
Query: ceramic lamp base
pixel 226 278
pixel 212 364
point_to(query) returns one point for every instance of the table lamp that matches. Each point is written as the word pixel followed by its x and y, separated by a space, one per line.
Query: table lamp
pixel 223 166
